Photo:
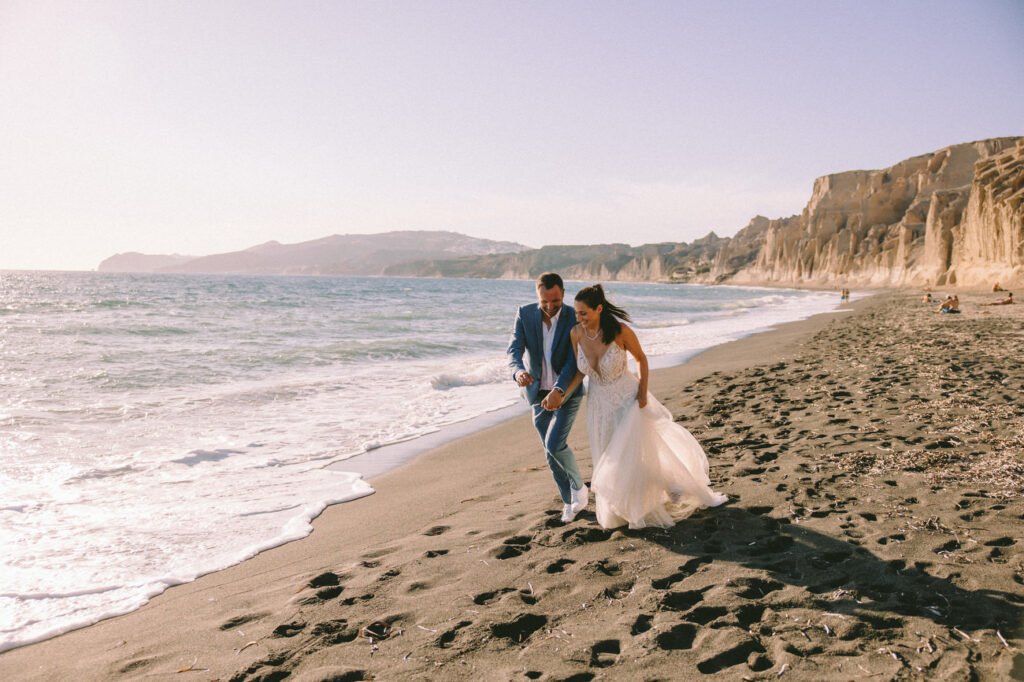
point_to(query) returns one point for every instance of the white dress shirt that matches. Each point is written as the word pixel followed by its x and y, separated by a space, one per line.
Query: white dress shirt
pixel 548 376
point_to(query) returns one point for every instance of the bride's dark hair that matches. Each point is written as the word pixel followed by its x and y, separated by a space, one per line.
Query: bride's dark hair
pixel 610 314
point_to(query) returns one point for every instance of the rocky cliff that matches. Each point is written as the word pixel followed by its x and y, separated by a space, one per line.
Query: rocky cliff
pixel 950 217
pixel 989 242
pixel 670 261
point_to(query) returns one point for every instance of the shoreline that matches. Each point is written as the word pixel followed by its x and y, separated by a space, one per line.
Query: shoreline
pixel 456 569
pixel 399 456
pixel 368 465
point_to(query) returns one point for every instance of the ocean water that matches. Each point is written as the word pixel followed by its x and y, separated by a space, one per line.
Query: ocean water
pixel 154 428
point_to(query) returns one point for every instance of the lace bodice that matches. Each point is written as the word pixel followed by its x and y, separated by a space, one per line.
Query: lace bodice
pixel 611 366
pixel 612 390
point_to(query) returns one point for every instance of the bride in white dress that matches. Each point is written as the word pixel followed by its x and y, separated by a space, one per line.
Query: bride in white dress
pixel 648 470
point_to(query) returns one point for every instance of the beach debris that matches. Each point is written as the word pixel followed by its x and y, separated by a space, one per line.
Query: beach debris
pixel 427 629
pixel 1003 640
pixel 248 644
pixel 782 669
pixel 378 630
pixel 964 635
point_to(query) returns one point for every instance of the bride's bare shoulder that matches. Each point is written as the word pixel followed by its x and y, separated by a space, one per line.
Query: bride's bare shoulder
pixel 625 335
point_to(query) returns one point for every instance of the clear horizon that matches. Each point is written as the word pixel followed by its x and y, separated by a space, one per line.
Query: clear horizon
pixel 200 128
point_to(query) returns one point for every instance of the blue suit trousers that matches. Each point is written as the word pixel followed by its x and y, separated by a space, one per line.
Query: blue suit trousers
pixel 553 428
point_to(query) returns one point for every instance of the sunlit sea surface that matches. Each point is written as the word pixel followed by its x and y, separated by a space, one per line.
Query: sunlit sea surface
pixel 157 427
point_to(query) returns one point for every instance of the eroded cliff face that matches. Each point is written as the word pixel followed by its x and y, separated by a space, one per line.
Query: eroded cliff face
pixel 954 215
pixel 989 242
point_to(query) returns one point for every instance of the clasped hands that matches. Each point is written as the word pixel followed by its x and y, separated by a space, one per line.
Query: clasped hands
pixel 553 400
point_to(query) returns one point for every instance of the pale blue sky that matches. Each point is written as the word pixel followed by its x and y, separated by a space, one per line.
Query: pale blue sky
pixel 204 126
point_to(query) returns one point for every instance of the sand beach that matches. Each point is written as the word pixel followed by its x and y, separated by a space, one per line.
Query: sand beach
pixel 874 459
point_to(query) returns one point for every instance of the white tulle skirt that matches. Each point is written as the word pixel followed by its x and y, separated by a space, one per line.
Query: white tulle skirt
pixel 652 471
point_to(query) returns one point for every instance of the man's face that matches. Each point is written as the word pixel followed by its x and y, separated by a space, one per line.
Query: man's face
pixel 550 300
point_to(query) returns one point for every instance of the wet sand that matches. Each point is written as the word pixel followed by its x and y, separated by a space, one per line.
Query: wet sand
pixel 875 465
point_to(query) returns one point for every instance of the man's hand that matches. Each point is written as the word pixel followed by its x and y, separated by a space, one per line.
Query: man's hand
pixel 524 379
pixel 552 401
pixel 641 398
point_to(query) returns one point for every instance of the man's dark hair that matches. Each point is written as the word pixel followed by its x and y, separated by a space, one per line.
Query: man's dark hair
pixel 549 280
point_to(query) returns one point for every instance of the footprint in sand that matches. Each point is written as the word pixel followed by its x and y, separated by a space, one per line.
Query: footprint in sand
pixel 327 585
pixel 684 571
pixel 559 566
pixel 678 637
pixel 331 632
pixel 289 629
pixel 604 653
pixel 324 594
pixel 448 636
pixel 485 598
pixel 387 575
pixel 1001 542
pixel 528 596
pixel 702 615
pixel 641 625
pixel 898 537
pixel 735 647
pixel 242 620
pixel 681 601
pixel 520 628
pixel 512 547
pixel 755 588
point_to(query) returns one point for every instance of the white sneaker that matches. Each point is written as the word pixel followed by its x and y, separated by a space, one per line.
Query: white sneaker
pixel 580 498
pixel 567 514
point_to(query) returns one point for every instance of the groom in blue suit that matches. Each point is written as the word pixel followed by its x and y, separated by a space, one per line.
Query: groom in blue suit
pixel 541 331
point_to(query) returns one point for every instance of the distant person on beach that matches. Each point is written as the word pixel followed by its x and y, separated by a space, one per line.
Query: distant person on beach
pixel 1006 301
pixel 996 287
pixel 950 305
pixel 541 334
pixel 647 468
pixel 927 298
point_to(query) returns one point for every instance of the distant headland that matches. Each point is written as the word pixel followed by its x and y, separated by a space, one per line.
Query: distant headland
pixel 954 217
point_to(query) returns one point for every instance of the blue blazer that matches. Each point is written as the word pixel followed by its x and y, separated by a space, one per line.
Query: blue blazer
pixel 528 338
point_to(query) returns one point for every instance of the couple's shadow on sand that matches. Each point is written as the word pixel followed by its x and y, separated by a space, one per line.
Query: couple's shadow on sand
pixel 839 577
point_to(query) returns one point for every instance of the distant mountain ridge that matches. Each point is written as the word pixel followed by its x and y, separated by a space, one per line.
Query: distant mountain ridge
pixel 351 254
pixel 133 261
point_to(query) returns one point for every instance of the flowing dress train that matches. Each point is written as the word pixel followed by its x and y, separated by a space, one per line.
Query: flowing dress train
pixel 648 470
